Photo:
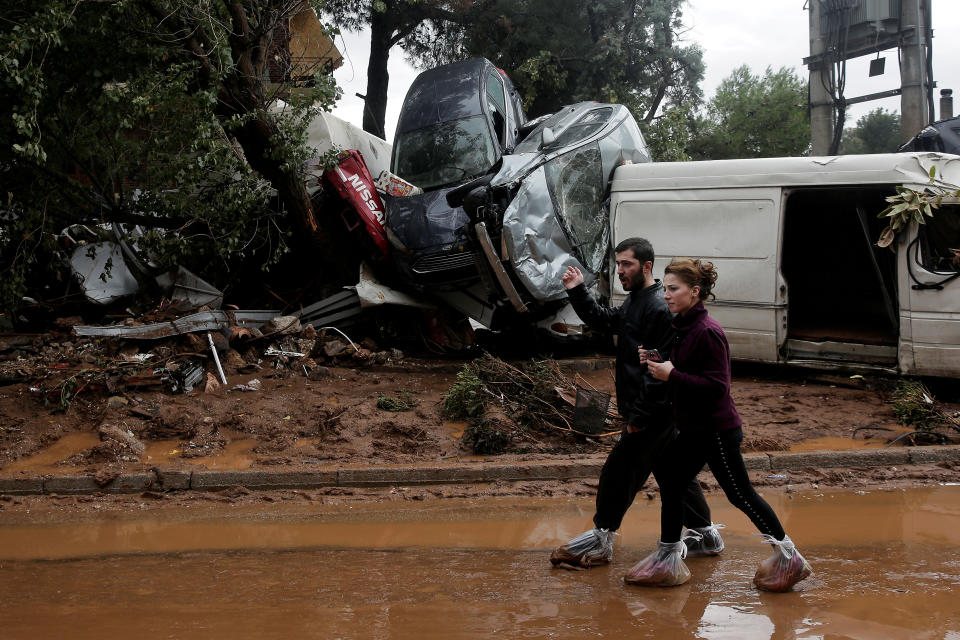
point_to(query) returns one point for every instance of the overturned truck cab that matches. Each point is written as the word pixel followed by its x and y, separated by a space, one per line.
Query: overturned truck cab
pixel 802 278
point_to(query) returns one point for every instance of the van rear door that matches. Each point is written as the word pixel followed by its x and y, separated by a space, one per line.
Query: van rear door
pixel 738 229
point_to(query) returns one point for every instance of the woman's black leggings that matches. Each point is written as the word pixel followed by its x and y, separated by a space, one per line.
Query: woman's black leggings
pixel 682 461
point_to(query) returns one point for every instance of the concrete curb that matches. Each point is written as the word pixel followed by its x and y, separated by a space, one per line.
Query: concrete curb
pixel 446 473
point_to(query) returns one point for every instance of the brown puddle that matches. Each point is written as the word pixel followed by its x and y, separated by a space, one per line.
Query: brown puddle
pixel 46 461
pixel 878 439
pixel 237 454
pixel 887 565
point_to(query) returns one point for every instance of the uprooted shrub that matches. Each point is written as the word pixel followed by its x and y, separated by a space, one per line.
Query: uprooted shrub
pixel 915 406
pixel 505 405
pixel 403 401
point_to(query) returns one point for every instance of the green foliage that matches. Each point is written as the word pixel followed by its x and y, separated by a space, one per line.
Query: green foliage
pixel 464 400
pixel 753 116
pixel 915 407
pixel 912 205
pixel 487 438
pixel 403 401
pixel 121 112
pixel 669 135
pixel 503 403
pixel 557 53
pixel 876 132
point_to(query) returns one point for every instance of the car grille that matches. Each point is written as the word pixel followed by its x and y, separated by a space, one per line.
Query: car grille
pixel 443 262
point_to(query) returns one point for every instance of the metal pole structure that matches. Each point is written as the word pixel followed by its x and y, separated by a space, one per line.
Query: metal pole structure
pixel 821 102
pixel 913 72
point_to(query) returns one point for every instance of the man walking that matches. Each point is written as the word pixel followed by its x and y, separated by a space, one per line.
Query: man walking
pixel 642 320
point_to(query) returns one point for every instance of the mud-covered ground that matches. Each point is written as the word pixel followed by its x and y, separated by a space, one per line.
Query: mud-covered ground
pixel 60 413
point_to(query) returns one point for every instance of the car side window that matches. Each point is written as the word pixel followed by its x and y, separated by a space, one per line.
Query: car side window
pixel 575 181
pixel 940 240
pixel 497 104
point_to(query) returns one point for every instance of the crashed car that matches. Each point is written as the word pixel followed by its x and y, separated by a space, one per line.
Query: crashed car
pixel 942 136
pixel 456 122
pixel 544 209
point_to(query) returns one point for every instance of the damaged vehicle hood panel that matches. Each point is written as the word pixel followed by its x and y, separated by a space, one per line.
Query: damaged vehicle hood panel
pixel 425 221
pixel 559 215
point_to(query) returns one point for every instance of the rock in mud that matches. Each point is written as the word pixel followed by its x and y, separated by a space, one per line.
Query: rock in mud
pixel 282 324
pixel 122 437
pixel 334 348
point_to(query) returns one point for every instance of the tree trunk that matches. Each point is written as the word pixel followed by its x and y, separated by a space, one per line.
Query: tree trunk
pixel 378 79
pixel 241 93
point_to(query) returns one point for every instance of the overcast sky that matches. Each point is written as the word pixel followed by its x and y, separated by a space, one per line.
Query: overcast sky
pixel 758 33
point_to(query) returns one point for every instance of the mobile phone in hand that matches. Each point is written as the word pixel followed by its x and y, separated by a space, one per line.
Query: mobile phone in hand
pixel 653 355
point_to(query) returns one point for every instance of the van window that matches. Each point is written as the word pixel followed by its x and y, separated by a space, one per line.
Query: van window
pixel 940 240
pixel 576 187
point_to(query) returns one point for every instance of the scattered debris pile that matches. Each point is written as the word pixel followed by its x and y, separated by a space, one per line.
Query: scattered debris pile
pixel 915 406
pixel 120 381
pixel 60 367
pixel 510 408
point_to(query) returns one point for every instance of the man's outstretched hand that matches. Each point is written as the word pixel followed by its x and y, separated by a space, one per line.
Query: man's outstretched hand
pixel 572 277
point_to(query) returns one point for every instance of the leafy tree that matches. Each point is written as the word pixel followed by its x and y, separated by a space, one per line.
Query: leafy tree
pixel 753 116
pixel 412 24
pixel 670 133
pixel 557 53
pixel 152 113
pixel 876 132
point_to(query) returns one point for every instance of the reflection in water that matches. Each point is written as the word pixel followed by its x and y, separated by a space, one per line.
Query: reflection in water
pixel 473 569
pixel 720 622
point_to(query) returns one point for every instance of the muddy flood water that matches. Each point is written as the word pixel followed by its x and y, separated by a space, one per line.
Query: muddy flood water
pixel 887 565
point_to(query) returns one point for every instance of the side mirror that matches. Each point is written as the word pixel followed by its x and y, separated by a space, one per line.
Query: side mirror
pixel 547 138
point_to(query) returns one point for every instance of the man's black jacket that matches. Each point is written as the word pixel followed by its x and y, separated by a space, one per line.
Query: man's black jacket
pixel 642 319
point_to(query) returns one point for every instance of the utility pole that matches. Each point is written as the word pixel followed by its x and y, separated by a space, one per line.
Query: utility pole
pixel 844 29
pixel 914 81
pixel 821 102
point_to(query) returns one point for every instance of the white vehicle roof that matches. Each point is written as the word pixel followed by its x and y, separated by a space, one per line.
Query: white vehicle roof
pixel 887 168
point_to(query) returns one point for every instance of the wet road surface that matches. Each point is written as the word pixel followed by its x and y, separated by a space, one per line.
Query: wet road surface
pixel 887 565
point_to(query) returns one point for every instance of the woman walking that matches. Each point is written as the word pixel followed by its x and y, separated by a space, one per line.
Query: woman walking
pixel 698 379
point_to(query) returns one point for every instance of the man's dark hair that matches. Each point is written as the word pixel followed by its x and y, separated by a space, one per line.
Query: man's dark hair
pixel 641 247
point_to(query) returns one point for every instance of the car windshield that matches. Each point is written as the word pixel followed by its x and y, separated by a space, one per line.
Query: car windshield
pixel 576 187
pixel 445 153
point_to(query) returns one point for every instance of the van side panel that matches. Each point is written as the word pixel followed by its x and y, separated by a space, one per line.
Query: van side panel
pixel 929 319
pixel 736 229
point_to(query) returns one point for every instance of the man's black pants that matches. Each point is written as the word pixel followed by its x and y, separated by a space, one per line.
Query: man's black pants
pixel 628 466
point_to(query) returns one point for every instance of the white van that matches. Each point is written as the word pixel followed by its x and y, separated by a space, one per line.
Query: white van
pixel 794 242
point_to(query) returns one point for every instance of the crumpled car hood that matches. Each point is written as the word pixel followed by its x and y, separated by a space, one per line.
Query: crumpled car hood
pixel 539 248
pixel 425 220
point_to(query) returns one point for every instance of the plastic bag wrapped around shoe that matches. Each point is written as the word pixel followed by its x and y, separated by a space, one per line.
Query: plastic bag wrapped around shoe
pixel 703 541
pixel 589 549
pixel 662 568
pixel 785 568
